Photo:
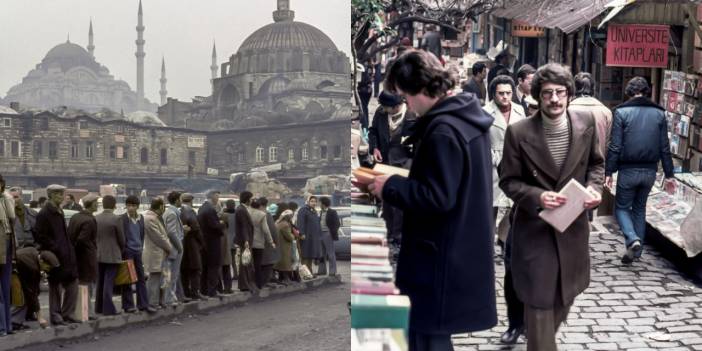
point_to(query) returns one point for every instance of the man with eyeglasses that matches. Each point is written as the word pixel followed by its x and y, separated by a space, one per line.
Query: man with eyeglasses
pixel 541 155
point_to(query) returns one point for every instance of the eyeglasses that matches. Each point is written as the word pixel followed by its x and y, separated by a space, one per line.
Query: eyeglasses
pixel 548 93
pixel 503 93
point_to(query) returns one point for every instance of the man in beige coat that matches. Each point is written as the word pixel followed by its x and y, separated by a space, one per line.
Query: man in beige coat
pixel 585 102
pixel 262 237
pixel 506 112
pixel 156 249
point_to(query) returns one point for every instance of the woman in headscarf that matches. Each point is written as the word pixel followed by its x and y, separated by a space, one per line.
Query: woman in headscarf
pixel 286 240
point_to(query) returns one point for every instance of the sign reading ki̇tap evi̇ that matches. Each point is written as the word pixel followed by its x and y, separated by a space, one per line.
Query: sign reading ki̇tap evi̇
pixel 637 45
pixel 525 30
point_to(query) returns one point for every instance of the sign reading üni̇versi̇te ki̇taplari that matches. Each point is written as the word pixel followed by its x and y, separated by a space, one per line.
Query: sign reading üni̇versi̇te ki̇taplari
pixel 637 45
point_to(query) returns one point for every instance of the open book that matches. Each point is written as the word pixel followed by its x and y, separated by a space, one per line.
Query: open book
pixel 562 217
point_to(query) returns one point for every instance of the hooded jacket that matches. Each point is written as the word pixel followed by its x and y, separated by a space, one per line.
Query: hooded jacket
pixel 639 138
pixel 446 258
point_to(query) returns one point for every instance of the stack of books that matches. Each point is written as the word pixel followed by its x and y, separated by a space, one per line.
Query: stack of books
pixel 379 314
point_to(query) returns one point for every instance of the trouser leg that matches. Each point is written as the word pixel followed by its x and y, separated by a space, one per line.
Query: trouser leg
pixel 70 299
pixel 257 260
pixel 153 285
pixel 515 307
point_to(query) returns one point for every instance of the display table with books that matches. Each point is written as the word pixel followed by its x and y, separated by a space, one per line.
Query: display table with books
pixel 379 314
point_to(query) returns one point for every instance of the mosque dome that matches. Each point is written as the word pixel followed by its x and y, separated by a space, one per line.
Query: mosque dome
pixel 69 55
pixel 287 35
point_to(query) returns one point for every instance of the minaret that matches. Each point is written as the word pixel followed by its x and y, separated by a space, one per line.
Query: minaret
pixel 91 47
pixel 283 14
pixel 140 58
pixel 163 81
pixel 213 67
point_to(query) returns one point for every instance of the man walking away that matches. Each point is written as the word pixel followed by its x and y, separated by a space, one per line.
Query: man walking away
pixel 476 84
pixel 638 142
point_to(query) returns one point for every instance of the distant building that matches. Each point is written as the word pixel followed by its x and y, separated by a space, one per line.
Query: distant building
pixel 70 76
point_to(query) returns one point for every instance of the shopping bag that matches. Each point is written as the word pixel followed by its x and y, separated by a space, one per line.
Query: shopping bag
pixel 126 273
pixel 246 256
pixel 305 273
pixel 17 296
pixel 82 312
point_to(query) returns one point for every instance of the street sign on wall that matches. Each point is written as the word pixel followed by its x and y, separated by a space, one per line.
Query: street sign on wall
pixel 526 30
pixel 637 45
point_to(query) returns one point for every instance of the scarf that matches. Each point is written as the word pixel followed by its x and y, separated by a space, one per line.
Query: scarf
pixel 396 120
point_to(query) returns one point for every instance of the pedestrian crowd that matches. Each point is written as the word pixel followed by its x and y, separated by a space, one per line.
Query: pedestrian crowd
pixel 485 157
pixel 170 254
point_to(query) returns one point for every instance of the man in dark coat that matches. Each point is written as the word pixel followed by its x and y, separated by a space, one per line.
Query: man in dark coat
pixel 82 230
pixel 308 222
pixel 193 245
pixel 392 124
pixel 330 224
pixel 476 84
pixel 639 142
pixel 133 226
pixel 541 155
pixel 212 230
pixel 446 259
pixel 71 204
pixel 431 41
pixel 244 230
pixel 110 244
pixel 52 236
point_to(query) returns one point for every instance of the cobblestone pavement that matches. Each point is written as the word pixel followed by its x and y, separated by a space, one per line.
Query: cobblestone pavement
pixel 646 306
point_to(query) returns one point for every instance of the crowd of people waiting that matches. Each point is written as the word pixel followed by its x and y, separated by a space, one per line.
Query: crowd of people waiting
pixel 179 254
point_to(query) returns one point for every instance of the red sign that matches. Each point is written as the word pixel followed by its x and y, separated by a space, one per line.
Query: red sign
pixel 636 45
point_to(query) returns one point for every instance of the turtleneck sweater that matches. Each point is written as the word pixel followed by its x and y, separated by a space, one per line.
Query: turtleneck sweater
pixel 557 137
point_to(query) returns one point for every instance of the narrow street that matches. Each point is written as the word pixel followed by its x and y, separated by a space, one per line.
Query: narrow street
pixel 316 319
pixel 646 306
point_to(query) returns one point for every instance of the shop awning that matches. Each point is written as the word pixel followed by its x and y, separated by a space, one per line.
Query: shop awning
pixel 566 15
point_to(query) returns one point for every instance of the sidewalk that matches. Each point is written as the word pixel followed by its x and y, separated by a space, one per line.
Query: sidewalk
pixel 36 335
pixel 645 306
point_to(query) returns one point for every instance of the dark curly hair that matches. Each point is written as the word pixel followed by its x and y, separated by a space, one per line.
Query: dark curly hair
pixel 417 71
pixel 552 73
pixel 584 84
pixel 637 85
pixel 501 79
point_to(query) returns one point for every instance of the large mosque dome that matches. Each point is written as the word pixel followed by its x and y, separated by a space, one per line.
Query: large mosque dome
pixel 287 35
pixel 69 55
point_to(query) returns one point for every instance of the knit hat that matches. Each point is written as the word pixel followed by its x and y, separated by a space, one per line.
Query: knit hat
pixel 387 99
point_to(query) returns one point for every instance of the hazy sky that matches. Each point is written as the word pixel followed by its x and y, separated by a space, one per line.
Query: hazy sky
pixel 180 30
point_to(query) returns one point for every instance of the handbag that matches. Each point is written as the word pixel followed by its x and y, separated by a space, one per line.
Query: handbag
pixel 16 294
pixel 246 256
pixel 126 273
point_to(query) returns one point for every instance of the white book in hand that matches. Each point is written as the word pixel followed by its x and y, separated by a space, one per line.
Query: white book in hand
pixel 562 217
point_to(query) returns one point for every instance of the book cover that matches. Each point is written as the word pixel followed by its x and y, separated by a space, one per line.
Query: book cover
pixel 562 217
pixel 390 170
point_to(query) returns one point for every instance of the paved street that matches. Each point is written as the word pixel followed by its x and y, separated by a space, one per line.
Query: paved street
pixel 647 306
pixel 310 320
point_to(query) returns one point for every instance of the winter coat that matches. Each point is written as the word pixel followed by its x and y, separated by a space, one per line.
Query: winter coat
pixel 110 237
pixel 271 255
pixel 285 240
pixel 602 115
pixel 243 226
pixel 261 234
pixel 174 229
pixel 7 217
pixel 308 222
pixel 193 243
pixel 156 243
pixel 446 263
pixel 82 230
pixel 212 232
pixel 393 151
pixel 432 42
pixel 639 138
pixel 52 236
pixel 333 223
pixel 25 233
pixel 497 140
pixel 230 232
pixel 544 261
pixel 475 88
